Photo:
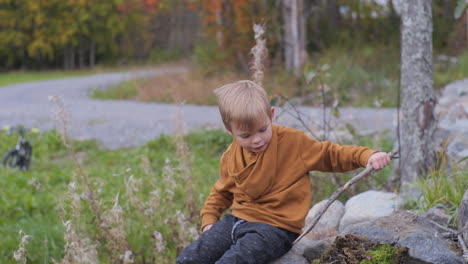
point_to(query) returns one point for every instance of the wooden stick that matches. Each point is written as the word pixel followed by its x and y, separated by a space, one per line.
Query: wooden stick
pixel 393 155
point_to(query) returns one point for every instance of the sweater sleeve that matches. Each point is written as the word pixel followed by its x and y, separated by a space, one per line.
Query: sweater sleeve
pixel 328 157
pixel 219 199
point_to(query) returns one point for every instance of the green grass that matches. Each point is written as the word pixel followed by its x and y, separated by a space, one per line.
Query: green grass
pixel 442 189
pixel 22 77
pixel 122 91
pixel 37 201
pixel 444 72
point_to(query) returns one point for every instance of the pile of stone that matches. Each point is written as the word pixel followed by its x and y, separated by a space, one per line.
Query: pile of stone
pixel 376 216
pixel 451 113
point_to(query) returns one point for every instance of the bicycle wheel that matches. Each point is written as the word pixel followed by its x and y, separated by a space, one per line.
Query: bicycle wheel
pixel 10 159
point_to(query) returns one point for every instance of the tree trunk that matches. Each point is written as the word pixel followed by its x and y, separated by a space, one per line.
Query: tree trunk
pixel 294 35
pixel 92 53
pixel 333 14
pixel 417 95
pixel 81 56
pixel 463 217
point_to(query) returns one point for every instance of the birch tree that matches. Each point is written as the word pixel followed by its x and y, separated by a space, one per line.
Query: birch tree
pixel 295 17
pixel 417 95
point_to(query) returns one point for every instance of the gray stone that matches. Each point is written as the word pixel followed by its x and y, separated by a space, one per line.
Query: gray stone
pixel 368 206
pixel 295 255
pixel 331 217
pixel 407 229
pixel 463 217
pixel 430 247
pixel 315 249
pixel 437 215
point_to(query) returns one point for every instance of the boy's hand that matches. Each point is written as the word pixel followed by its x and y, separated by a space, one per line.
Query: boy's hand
pixel 206 228
pixel 378 160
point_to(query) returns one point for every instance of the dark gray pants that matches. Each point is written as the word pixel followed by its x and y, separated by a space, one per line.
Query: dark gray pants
pixel 232 240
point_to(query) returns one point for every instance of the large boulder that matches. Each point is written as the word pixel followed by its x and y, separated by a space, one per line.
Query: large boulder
pixel 409 230
pixel 368 206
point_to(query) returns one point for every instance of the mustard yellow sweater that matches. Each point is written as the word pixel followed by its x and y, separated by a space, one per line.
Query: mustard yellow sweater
pixel 273 186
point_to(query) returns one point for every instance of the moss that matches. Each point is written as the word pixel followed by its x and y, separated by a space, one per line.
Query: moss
pixel 352 249
pixel 385 254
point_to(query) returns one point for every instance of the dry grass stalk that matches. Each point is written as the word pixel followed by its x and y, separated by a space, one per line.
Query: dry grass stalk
pixel 78 249
pixel 187 233
pixel 21 255
pixel 132 188
pixel 193 87
pixel 116 241
pixel 159 244
pixel 185 164
pixel 259 52
pixel 109 232
pixel 61 116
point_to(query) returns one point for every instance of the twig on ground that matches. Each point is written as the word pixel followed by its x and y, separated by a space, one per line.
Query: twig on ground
pixel 393 155
pixel 459 237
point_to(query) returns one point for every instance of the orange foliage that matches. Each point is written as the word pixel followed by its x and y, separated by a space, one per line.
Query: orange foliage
pixel 230 23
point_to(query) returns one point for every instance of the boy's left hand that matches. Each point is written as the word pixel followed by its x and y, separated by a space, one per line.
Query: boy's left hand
pixel 378 160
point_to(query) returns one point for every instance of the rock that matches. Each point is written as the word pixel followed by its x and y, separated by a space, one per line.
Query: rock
pixel 437 215
pixel 316 248
pixel 408 230
pixel 463 217
pixel 368 206
pixel 331 217
pixel 452 115
pixel 295 255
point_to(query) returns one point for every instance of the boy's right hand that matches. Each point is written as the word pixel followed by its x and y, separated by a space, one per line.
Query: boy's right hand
pixel 206 228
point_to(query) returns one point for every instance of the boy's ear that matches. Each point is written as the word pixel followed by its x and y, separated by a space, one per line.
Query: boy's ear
pixel 229 131
pixel 272 114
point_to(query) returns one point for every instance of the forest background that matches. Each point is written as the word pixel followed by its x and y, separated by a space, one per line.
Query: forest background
pixel 360 39
pixel 80 203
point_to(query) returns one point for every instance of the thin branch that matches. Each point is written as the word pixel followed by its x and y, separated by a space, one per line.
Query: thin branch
pixel 459 237
pixel 298 116
pixel 362 174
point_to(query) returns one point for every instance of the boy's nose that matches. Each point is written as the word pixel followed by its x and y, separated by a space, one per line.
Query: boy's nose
pixel 256 139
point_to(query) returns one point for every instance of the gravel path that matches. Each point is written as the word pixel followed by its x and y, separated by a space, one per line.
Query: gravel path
pixel 117 124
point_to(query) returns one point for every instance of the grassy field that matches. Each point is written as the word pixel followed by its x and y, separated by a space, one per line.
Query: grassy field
pixel 22 77
pixel 146 198
pixel 354 77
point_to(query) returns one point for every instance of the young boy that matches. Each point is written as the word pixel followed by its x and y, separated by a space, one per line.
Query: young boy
pixel 264 179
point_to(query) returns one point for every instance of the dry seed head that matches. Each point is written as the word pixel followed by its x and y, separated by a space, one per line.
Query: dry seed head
pixel 186 233
pixel 259 52
pixel 20 255
pixel 78 249
pixel 128 257
pixel 159 244
pixel 61 116
pixel 132 188
pixel 146 166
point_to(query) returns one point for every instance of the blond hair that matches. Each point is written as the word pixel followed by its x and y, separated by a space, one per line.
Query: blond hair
pixel 243 103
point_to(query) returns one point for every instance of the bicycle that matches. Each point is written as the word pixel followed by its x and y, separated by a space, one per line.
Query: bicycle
pixel 20 156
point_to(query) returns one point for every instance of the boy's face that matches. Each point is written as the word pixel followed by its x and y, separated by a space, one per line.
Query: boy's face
pixel 256 140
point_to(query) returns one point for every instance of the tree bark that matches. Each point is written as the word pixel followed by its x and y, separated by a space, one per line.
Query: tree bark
pixel 417 95
pixel 294 35
pixel 81 55
pixel 92 53
pixel 334 17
